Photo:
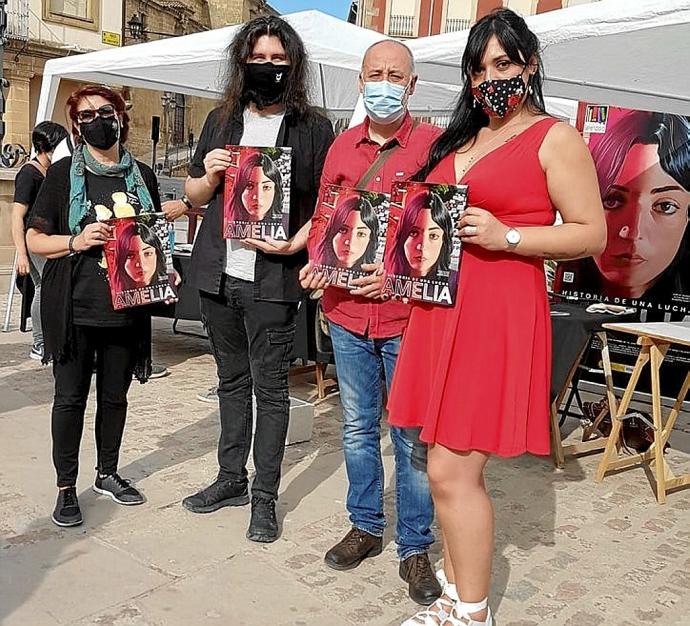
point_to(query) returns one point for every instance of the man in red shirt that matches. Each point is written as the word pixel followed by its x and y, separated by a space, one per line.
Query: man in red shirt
pixel 366 330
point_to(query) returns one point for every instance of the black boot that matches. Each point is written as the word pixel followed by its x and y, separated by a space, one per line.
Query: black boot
pixel 220 493
pixel 263 526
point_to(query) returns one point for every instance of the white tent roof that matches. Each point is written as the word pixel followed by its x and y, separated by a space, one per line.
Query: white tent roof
pixel 631 53
pixel 193 64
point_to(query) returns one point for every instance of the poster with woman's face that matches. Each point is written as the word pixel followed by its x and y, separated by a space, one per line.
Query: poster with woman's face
pixel 642 160
pixel 256 201
pixel 352 233
pixel 139 260
pixel 422 250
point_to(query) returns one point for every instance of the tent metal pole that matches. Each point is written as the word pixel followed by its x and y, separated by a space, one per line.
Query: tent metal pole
pixel 323 87
pixel 10 295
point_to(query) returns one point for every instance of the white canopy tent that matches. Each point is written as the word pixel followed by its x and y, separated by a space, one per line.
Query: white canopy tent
pixel 194 64
pixel 630 53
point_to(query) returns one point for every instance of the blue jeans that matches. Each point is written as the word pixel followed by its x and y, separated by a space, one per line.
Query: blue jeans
pixel 362 365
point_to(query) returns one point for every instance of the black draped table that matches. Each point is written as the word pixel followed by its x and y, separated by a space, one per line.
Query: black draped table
pixel 572 328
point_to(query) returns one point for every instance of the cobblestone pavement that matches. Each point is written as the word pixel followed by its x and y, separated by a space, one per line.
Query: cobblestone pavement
pixel 569 551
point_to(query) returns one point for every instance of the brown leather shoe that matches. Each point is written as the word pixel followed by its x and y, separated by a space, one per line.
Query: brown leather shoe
pixel 423 586
pixel 352 549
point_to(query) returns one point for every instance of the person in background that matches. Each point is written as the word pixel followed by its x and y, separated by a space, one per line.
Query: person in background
pixel 366 332
pixel 250 290
pixel 44 138
pixel 79 322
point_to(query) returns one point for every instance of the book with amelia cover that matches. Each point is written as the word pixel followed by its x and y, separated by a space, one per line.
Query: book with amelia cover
pixel 353 233
pixel 256 199
pixel 139 260
pixel 422 258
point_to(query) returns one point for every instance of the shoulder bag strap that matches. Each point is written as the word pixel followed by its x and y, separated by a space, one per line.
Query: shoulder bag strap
pixel 385 154
pixel 39 167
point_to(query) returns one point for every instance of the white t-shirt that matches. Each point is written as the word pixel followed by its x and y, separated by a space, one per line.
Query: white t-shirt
pixel 260 131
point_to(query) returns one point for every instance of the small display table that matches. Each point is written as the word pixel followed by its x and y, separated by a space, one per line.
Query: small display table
pixel 654 339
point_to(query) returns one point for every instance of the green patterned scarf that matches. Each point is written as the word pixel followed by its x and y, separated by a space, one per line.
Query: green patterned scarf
pixel 127 168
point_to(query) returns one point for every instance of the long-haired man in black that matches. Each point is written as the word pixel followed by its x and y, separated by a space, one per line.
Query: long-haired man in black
pixel 250 290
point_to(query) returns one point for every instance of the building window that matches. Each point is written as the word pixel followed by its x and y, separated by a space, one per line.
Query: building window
pixel 454 24
pixel 178 136
pixel 78 13
pixel 401 26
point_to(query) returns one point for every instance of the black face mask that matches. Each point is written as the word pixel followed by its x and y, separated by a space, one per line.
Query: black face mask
pixel 102 133
pixel 265 83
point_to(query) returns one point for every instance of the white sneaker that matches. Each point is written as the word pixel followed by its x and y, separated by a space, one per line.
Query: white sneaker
pixel 210 396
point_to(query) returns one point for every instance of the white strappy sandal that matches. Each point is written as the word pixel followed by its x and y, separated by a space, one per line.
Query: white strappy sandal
pixel 436 613
pixel 460 614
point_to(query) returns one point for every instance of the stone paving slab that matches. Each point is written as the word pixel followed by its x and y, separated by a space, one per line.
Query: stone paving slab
pixel 569 552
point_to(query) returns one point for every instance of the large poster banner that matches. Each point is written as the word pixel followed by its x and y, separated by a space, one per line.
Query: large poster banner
pixel 642 160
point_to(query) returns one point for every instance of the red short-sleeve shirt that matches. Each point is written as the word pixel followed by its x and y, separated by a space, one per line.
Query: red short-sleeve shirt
pixel 348 159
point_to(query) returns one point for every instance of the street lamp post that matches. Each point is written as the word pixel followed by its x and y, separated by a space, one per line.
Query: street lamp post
pixel 137 28
pixel 169 104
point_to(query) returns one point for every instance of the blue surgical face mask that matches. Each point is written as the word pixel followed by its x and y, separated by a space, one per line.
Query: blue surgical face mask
pixel 384 101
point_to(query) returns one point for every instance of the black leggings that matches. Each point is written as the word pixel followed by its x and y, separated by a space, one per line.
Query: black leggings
pixel 113 349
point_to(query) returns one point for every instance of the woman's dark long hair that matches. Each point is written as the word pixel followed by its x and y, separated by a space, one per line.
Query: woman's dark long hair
pixel 326 254
pixel 671 134
pixel 296 94
pixel 522 47
pixel 133 228
pixel 398 263
pixel 266 163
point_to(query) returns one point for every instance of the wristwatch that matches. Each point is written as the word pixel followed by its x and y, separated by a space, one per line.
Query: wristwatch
pixel 185 200
pixel 513 237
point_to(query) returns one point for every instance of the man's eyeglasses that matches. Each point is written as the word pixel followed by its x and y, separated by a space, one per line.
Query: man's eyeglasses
pixel 89 115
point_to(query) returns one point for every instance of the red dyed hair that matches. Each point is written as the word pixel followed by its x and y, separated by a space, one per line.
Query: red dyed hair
pixel 110 95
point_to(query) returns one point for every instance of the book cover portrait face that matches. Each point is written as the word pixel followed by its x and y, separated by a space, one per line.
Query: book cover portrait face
pixel 258 189
pixel 351 238
pixel 423 242
pixel 139 256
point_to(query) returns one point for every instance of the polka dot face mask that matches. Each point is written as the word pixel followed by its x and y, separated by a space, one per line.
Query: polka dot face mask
pixel 498 98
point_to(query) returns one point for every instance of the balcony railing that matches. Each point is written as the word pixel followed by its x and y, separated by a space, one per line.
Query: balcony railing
pixel 18 20
pixel 401 26
pixel 454 24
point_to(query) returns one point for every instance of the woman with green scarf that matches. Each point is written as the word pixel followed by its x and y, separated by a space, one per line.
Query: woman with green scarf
pixel 80 324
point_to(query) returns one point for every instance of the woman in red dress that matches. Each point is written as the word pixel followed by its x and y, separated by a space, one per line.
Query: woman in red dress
pixel 475 376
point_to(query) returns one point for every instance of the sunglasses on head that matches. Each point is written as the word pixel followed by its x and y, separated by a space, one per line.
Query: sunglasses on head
pixel 89 115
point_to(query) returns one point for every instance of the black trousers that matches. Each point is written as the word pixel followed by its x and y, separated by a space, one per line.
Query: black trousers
pixel 113 350
pixel 251 342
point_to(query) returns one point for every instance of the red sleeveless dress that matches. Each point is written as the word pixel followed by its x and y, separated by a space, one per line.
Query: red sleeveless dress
pixel 476 376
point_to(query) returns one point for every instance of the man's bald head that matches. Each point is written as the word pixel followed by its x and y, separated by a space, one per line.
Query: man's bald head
pixel 391 61
pixel 393 50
